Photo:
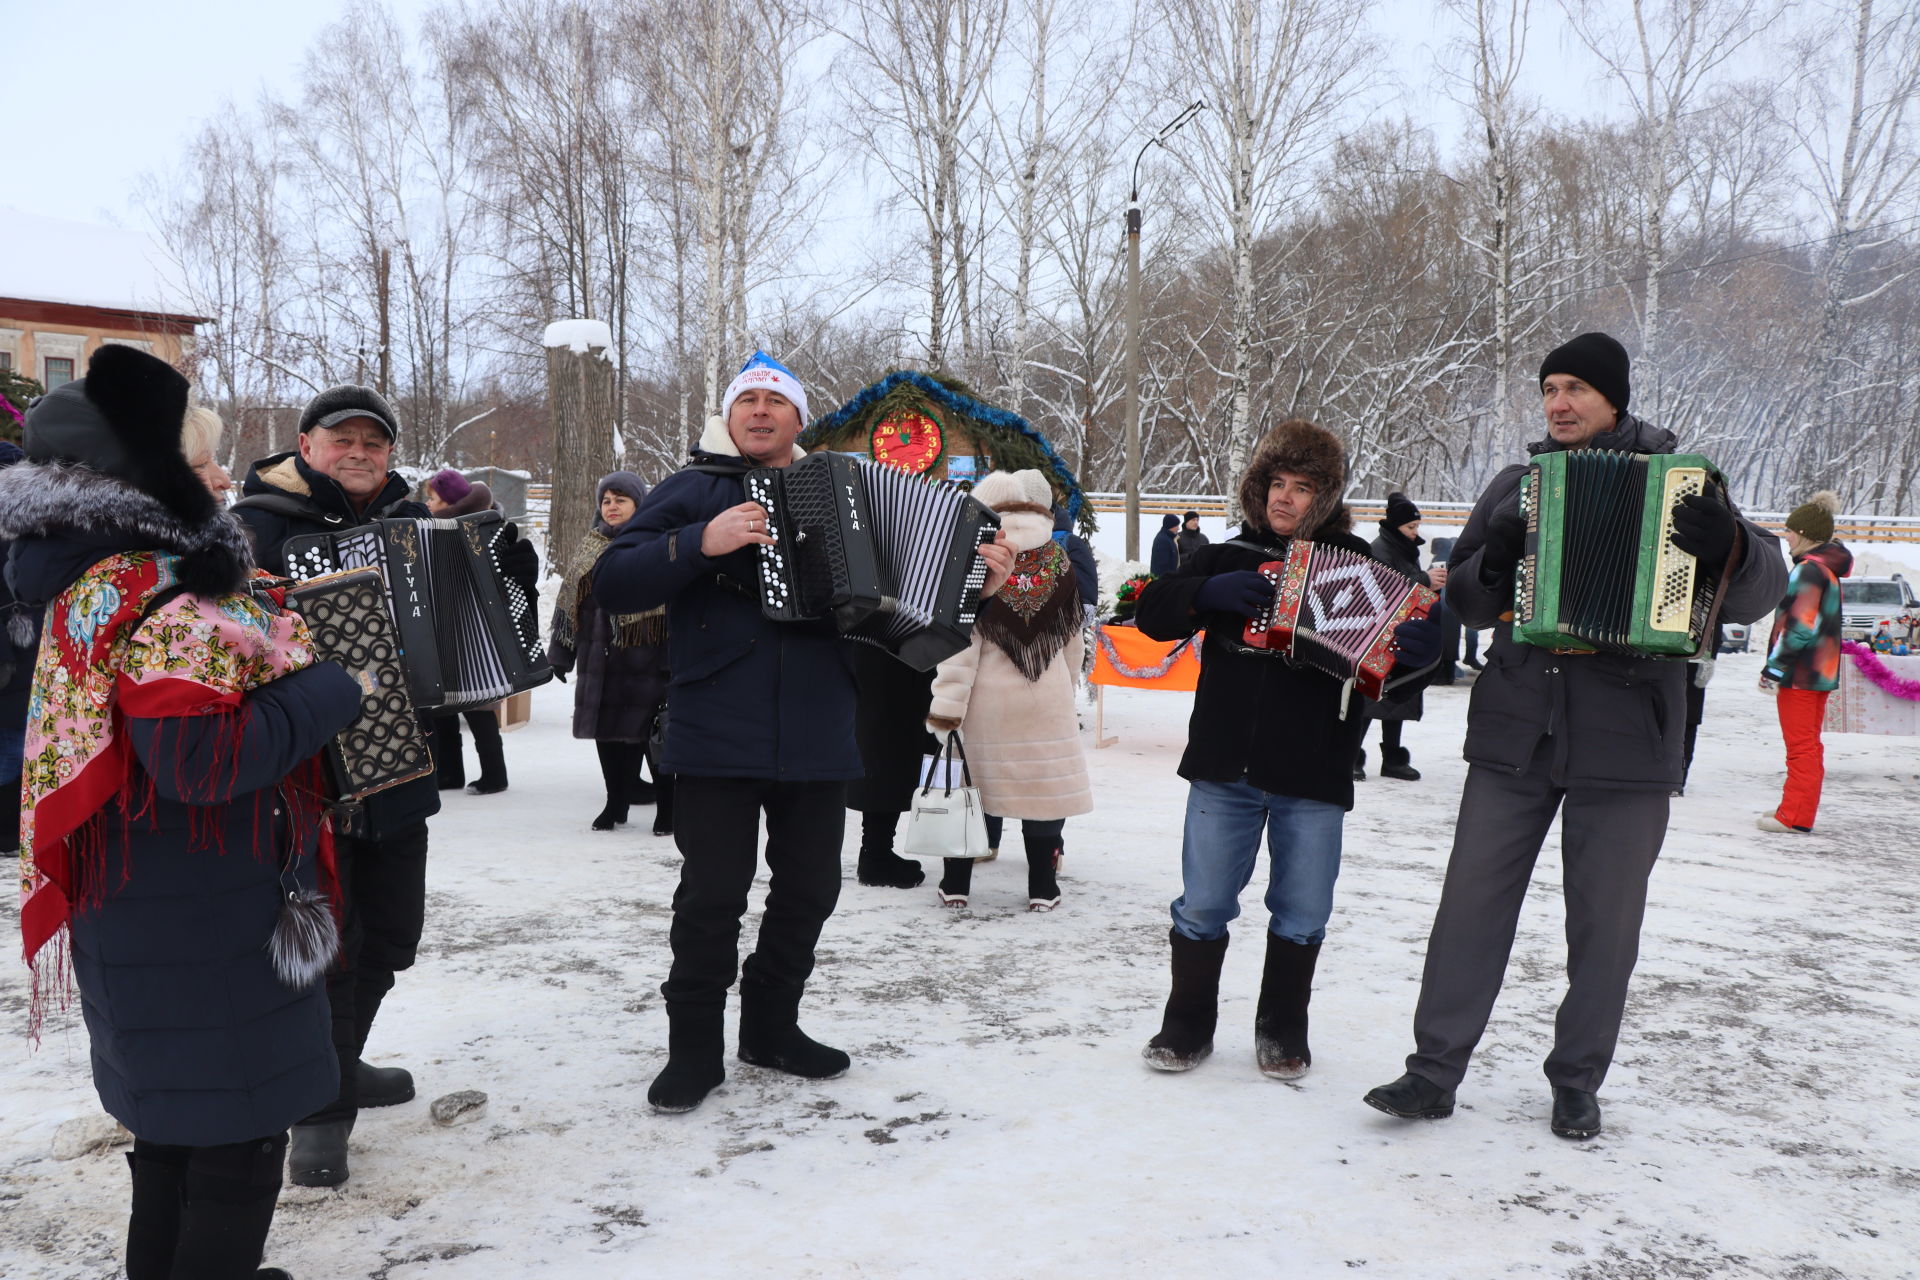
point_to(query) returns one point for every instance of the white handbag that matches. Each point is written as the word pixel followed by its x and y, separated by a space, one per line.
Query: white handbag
pixel 946 820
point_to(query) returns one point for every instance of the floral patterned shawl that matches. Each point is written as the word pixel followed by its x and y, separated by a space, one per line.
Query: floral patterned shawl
pixel 108 653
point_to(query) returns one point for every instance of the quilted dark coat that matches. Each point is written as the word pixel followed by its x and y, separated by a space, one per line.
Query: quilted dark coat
pixel 195 1040
pixel 1405 702
pixel 616 688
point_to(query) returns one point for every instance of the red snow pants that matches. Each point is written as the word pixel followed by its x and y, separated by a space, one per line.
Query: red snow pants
pixel 1801 711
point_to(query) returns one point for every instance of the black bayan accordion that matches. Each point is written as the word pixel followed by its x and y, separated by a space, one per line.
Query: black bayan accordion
pixel 468 633
pixel 1598 572
pixel 892 560
pixel 1335 610
pixel 346 613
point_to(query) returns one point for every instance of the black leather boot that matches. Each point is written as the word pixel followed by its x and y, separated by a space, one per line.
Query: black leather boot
pixel 1280 1020
pixel 1412 1097
pixel 1193 1008
pixel 613 772
pixel 770 1036
pixel 493 764
pixel 879 864
pixel 696 1043
pixel 1576 1112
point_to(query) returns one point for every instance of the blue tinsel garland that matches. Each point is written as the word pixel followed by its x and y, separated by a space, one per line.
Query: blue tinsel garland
pixel 954 402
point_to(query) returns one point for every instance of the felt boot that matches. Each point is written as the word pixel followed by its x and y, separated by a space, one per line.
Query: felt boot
pixel 696 1043
pixel 1280 1020
pixel 770 1036
pixel 879 864
pixel 1193 1008
pixel 613 772
pixel 1397 762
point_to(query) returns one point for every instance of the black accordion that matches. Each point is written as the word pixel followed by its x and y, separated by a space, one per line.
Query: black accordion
pixel 346 613
pixel 892 560
pixel 469 634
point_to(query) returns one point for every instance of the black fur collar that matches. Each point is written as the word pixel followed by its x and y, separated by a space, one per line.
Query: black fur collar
pixel 41 499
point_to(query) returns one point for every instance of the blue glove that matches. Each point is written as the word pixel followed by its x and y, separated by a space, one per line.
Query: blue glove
pixel 1244 591
pixel 1416 643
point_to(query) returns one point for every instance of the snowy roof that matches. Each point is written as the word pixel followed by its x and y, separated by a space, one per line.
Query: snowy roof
pixel 578 335
pixel 84 264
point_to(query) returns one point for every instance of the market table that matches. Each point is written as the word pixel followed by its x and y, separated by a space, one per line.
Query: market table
pixel 1123 656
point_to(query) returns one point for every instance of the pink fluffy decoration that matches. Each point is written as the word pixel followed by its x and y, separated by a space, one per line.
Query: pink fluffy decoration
pixel 1869 665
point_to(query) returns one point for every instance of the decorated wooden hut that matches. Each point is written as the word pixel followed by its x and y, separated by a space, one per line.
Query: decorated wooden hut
pixel 932 425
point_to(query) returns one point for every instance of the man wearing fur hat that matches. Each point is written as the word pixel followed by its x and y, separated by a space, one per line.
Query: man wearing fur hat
pixel 1596 738
pixel 335 478
pixel 1803 656
pixel 760 719
pixel 1270 747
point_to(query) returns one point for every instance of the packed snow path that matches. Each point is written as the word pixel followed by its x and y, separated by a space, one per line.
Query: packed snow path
pixel 1763 1118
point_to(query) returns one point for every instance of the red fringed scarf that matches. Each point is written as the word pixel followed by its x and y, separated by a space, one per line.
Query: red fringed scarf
pixel 106 654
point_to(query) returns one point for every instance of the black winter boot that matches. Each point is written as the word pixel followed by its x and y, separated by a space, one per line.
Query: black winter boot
pixel 1411 1097
pixel 493 762
pixel 956 881
pixel 879 864
pixel 663 804
pixel 383 1086
pixel 1396 762
pixel 696 1043
pixel 1280 1021
pixel 153 1226
pixel 770 1036
pixel 1186 1031
pixel 1043 872
pixel 317 1156
pixel 613 772
pixel 449 762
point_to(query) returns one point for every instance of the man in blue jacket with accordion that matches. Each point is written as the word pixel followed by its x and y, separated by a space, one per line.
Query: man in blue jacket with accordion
pixel 1595 737
pixel 759 718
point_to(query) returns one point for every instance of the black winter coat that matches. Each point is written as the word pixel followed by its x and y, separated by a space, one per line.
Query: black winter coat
pixel 1165 555
pixel 296 499
pixel 1615 721
pixel 891 727
pixel 616 688
pixel 1405 701
pixel 1256 717
pixel 195 1040
pixel 749 697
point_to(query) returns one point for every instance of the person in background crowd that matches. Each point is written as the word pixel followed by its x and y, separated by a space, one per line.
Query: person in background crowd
pixel 1270 749
pixel 619 665
pixel 1191 539
pixel 760 720
pixel 1594 738
pixel 19 642
pixel 173 812
pixel 1010 692
pixel 890 727
pixel 199 440
pixel 450 495
pixel 1166 547
pixel 1803 656
pixel 335 478
pixel 1399 546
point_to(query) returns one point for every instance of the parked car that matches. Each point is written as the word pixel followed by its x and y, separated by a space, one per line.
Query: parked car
pixel 1735 637
pixel 1867 602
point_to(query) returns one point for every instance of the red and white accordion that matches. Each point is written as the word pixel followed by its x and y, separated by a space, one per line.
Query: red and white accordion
pixel 1335 610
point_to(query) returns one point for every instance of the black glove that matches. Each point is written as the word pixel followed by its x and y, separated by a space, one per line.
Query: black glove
pixel 559 675
pixel 1500 551
pixel 1703 528
pixel 1244 591
pixel 1416 642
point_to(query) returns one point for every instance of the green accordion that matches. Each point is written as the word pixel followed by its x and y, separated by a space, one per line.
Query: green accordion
pixel 1599 573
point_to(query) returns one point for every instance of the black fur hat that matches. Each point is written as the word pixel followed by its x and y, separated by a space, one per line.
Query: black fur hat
pixel 337 404
pixel 124 419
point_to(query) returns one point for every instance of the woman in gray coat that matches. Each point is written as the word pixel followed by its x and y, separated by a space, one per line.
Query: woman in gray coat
pixel 620 667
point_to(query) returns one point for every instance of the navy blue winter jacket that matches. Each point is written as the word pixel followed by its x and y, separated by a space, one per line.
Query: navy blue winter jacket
pixel 749 697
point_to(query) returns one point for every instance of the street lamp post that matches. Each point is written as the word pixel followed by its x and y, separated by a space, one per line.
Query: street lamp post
pixel 1133 327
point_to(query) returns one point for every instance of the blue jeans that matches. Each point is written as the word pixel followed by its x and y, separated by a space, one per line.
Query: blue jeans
pixel 1222 843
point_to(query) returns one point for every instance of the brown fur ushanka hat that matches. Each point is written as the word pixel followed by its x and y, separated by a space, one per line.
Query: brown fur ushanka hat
pixel 1304 449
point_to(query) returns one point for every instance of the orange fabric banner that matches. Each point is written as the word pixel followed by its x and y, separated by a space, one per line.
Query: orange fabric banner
pixel 1122 656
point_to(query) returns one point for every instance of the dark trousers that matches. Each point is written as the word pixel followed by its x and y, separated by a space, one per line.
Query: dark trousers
pixel 1609 841
pixel 384 886
pixel 717 829
pixel 443 739
pixel 1389 741
pixel 202 1212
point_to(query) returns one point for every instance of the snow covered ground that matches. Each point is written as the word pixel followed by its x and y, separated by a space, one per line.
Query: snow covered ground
pixel 1763 1117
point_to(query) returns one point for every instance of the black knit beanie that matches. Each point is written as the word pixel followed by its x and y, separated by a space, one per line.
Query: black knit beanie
pixel 1400 509
pixel 1597 360
pixel 1169 521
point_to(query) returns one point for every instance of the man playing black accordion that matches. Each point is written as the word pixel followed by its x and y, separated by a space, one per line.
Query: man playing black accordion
pixel 759 719
pixel 1594 736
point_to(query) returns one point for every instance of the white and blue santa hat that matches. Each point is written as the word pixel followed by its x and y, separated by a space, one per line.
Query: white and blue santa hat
pixel 763 371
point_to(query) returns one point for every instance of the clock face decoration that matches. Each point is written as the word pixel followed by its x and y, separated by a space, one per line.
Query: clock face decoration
pixel 912 442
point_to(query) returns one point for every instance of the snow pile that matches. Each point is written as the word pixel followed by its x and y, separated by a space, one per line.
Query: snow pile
pixel 82 263
pixel 578 336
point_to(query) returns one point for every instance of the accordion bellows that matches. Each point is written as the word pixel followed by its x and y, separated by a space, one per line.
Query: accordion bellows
pixel 891 559
pixel 1335 610
pixel 1599 573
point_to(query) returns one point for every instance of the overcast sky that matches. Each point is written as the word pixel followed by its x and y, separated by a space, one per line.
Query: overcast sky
pixel 117 87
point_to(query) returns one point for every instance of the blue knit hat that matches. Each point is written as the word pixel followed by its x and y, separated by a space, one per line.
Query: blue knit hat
pixel 763 371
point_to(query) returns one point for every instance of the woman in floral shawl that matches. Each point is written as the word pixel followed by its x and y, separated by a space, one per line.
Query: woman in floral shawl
pixel 621 659
pixel 172 813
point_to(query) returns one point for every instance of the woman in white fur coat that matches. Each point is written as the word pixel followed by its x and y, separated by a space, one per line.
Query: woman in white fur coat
pixel 1010 692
